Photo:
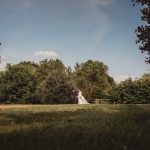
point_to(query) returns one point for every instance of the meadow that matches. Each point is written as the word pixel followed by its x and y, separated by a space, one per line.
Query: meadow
pixel 75 127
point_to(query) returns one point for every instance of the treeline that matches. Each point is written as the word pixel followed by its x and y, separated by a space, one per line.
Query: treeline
pixel 131 91
pixel 50 82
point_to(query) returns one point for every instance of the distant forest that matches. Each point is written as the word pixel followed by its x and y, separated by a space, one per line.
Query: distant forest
pixel 50 82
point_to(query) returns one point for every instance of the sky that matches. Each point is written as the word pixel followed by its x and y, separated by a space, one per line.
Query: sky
pixel 73 31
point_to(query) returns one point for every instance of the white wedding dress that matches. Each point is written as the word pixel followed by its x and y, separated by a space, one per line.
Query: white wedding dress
pixel 81 99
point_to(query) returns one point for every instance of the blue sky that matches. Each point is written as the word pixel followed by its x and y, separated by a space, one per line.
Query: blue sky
pixel 73 31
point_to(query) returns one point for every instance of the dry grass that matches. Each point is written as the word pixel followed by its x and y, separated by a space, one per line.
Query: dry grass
pixel 84 127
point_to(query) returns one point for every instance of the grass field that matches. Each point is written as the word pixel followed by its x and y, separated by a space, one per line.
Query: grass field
pixel 74 127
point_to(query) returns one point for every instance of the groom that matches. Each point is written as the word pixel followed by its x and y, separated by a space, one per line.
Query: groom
pixel 74 96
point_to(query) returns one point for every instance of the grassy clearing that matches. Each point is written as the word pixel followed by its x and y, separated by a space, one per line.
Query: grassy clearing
pixel 75 127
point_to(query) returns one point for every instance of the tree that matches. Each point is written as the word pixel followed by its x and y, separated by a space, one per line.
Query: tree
pixel 56 88
pixel 143 31
pixel 51 82
pixel 91 77
pixel 54 82
pixel 131 91
pixel 0 55
pixel 18 83
pixel 46 66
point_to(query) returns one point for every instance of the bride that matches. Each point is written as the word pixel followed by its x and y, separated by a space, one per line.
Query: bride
pixel 81 99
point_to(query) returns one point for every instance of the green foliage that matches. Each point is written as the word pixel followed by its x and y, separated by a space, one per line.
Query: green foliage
pixel 18 83
pixel 46 66
pixel 92 78
pixel 128 91
pixel 27 82
pixel 55 88
pixel 50 82
pixel 143 31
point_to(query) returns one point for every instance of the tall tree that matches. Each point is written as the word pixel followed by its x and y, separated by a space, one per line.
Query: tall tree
pixel 0 55
pixel 92 78
pixel 46 66
pixel 56 88
pixel 143 31
pixel 54 82
pixel 131 91
pixel 18 83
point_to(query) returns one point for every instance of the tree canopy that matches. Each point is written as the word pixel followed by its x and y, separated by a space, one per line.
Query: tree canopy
pixel 54 86
pixel 143 31
pixel 50 82
pixel 131 91
pixel 18 83
pixel 92 78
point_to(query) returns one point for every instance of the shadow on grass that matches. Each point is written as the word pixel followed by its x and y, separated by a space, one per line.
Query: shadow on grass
pixel 95 129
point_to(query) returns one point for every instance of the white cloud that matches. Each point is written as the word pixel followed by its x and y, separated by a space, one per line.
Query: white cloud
pixel 46 54
pixel 104 2
pixel 19 5
pixel 102 29
pixel 26 3
pixel 3 62
pixel 101 21
pixel 101 2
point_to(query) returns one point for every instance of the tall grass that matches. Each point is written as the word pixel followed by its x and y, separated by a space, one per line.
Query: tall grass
pixel 75 127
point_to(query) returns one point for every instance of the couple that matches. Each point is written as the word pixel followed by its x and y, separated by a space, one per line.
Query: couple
pixel 78 98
